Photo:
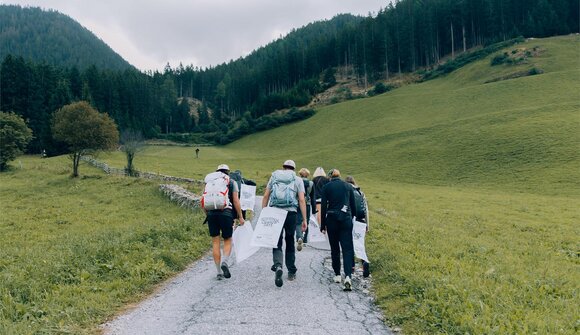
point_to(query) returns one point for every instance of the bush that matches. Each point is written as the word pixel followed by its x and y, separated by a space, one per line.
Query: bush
pixel 14 137
pixel 499 59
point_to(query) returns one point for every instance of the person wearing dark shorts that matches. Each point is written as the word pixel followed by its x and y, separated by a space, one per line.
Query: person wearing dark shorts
pixel 222 222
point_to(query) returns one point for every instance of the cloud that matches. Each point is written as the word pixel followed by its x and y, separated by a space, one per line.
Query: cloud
pixel 150 33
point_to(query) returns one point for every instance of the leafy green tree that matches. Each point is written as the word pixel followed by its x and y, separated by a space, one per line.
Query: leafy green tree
pixel 14 136
pixel 84 130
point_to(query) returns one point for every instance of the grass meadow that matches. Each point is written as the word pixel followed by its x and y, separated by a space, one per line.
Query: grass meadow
pixel 474 193
pixel 75 251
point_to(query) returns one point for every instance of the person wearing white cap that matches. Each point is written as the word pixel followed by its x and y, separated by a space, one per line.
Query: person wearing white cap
pixel 285 190
pixel 219 200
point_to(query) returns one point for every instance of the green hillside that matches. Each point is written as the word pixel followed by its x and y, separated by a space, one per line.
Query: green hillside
pixel 473 188
pixel 51 37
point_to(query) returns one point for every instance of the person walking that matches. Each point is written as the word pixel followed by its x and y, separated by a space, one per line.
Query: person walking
pixel 219 201
pixel 362 214
pixel 319 179
pixel 302 237
pixel 337 210
pixel 285 190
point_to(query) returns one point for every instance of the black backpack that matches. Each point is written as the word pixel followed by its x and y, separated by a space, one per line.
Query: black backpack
pixel 307 189
pixel 237 177
pixel 361 205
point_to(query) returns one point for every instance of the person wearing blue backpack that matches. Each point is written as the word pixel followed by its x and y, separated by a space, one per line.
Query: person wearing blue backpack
pixel 285 190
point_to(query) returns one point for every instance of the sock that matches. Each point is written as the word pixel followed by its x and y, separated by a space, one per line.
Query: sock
pixel 219 269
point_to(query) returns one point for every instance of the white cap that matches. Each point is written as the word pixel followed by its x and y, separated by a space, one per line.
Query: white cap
pixel 223 167
pixel 289 163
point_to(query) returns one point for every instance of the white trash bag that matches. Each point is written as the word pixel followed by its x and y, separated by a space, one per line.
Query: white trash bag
pixel 316 239
pixel 242 240
pixel 269 227
pixel 358 240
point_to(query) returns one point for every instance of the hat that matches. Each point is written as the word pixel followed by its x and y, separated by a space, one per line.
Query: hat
pixel 223 167
pixel 290 164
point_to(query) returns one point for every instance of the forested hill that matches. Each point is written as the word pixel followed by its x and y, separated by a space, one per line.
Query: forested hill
pixel 54 38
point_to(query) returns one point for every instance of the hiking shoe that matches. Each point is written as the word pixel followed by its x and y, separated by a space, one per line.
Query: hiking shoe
pixel 291 276
pixel 366 269
pixel 299 247
pixel 347 284
pixel 278 281
pixel 337 279
pixel 226 270
pixel 219 276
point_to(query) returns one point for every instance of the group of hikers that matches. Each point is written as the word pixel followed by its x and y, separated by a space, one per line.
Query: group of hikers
pixel 333 201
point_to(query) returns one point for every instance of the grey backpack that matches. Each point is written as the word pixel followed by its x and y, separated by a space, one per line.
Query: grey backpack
pixel 284 191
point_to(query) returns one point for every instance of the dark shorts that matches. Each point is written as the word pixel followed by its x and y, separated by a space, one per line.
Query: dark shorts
pixel 223 223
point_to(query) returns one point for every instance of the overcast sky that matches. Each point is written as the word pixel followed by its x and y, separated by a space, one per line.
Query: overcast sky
pixel 151 33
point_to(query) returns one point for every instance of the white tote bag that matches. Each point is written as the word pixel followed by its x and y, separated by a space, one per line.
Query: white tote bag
pixel 358 240
pixel 247 197
pixel 268 227
pixel 242 240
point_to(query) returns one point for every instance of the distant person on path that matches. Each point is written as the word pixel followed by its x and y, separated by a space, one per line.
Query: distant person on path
pixel 196 152
pixel 302 237
pixel 362 213
pixel 220 200
pixel 285 190
pixel 319 179
pixel 337 210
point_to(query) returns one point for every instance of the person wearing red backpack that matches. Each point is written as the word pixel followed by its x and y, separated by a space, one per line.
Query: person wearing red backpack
pixel 219 201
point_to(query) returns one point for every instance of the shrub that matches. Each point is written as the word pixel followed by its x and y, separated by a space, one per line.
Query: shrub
pixel 14 137
pixel 499 59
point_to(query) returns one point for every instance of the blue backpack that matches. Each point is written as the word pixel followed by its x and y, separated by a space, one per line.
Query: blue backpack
pixel 284 191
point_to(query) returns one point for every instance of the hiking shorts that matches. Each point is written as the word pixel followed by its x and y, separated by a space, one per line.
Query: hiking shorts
pixel 223 223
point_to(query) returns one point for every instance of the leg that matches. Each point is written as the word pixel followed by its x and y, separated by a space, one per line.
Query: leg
pixel 215 248
pixel 347 246
pixel 298 227
pixel 289 231
pixel 333 239
pixel 277 256
pixel 226 225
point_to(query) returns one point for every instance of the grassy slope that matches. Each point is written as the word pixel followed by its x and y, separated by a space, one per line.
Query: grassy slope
pixel 73 251
pixel 474 190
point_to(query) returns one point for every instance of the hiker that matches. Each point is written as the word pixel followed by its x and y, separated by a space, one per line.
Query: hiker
pixel 302 237
pixel 337 210
pixel 196 152
pixel 219 201
pixel 285 190
pixel 362 213
pixel 319 179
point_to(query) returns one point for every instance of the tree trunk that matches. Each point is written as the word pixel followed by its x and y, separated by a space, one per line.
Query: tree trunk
pixel 464 40
pixel 76 160
pixel 452 43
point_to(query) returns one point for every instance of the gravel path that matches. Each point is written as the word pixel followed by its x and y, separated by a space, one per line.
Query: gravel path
pixel 249 303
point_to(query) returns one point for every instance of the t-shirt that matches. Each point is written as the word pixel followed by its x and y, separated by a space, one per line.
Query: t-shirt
pixel 299 187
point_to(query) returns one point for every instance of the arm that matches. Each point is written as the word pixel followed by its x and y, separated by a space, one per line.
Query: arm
pixel 302 204
pixel 238 208
pixel 322 212
pixel 352 202
pixel 266 198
